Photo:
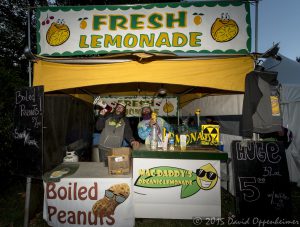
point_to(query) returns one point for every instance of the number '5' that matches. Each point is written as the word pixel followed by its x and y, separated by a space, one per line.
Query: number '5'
pixel 250 192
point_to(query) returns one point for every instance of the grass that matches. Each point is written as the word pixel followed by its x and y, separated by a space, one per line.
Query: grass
pixel 12 204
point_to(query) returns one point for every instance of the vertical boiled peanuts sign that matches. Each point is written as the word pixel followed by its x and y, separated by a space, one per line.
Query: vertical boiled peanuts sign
pixel 185 27
pixel 28 131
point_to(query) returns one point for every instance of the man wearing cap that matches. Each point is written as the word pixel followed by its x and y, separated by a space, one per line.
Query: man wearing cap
pixel 145 126
pixel 115 128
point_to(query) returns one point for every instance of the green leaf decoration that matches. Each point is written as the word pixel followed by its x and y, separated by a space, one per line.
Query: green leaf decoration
pixel 189 190
pixel 165 177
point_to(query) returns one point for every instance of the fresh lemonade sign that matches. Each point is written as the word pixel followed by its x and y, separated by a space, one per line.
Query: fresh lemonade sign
pixel 187 27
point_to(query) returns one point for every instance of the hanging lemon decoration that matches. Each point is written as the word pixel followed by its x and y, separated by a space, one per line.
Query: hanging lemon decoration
pixel 58 33
pixel 197 18
pixel 224 29
pixel 83 23
pixel 168 107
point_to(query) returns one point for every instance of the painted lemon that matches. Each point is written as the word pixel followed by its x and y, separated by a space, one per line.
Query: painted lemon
pixel 168 107
pixel 197 20
pixel 83 24
pixel 224 30
pixel 207 177
pixel 57 34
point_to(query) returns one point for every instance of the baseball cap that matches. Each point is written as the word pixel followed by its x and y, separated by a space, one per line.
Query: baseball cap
pixel 122 103
pixel 146 105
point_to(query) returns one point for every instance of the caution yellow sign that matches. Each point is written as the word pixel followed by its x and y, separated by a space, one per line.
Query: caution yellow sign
pixel 210 134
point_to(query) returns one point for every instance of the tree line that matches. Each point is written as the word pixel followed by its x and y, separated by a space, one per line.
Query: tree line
pixel 14 63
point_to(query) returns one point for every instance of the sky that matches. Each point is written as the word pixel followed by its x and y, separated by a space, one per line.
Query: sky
pixel 278 21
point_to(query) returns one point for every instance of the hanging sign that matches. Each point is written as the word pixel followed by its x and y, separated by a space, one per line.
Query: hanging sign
pixel 185 27
pixel 162 106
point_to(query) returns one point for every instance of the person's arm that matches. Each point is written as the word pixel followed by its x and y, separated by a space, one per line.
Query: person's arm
pixel 163 124
pixel 100 123
pixel 128 136
pixel 143 130
pixel 166 125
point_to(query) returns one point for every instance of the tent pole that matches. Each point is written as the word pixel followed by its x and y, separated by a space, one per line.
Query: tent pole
pixel 27 201
pixel 178 118
pixel 29 72
pixel 256 26
pixel 255 135
pixel 28 179
pixel 29 45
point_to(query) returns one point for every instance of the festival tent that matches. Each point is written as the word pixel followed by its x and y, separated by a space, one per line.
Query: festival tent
pixel 185 78
pixel 289 78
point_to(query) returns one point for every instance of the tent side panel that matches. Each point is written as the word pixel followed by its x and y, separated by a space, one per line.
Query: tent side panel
pixel 216 105
pixel 67 121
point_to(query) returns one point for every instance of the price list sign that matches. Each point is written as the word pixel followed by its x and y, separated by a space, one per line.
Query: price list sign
pixel 261 179
pixel 28 132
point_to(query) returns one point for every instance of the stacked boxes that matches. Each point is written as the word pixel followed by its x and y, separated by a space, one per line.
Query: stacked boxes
pixel 119 161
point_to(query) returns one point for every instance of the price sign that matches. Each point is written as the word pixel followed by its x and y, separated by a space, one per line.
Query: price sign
pixel 28 131
pixel 261 179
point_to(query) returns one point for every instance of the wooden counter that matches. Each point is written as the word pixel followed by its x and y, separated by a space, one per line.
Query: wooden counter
pixel 94 170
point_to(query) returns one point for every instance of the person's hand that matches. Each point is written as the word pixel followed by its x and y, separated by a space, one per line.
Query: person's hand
pixel 135 144
pixel 152 122
pixel 103 112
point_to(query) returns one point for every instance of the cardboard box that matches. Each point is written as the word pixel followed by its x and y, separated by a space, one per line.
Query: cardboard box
pixel 120 151
pixel 119 161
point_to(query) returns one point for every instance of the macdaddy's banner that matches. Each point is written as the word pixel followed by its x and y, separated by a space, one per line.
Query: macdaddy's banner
pixel 186 27
pixel 176 188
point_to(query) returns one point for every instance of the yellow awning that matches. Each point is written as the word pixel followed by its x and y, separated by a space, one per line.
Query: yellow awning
pixel 132 78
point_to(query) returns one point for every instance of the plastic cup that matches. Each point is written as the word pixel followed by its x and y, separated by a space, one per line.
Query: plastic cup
pixel 183 142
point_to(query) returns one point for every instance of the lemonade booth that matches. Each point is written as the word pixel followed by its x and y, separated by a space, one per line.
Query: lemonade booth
pixel 190 49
